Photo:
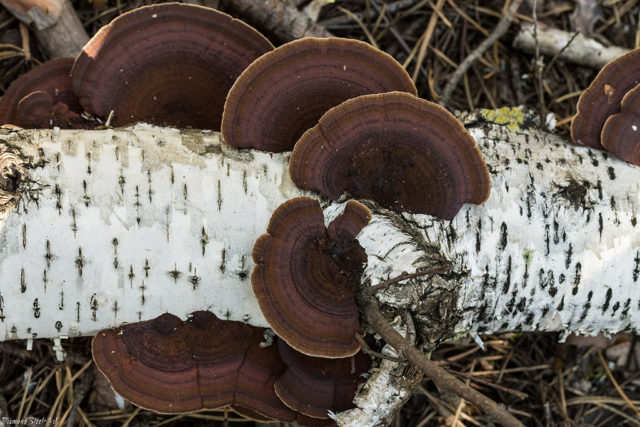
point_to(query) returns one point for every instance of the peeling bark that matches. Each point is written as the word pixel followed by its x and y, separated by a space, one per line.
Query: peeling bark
pixel 103 227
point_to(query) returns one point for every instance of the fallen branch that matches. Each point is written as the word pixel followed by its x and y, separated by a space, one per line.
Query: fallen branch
pixel 570 47
pixel 371 309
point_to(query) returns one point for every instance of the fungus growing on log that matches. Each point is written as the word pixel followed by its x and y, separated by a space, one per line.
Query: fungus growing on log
pixel 311 385
pixel 306 277
pixel 170 366
pixel 42 98
pixel 602 98
pixel 621 131
pixel 297 83
pixel 167 64
pixel 405 153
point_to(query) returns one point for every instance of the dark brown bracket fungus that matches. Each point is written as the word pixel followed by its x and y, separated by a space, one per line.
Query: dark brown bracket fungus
pixel 603 97
pixel 166 64
pixel 170 366
pixel 621 131
pixel 403 152
pixel 306 277
pixel 311 385
pixel 285 92
pixel 42 98
pixel 39 110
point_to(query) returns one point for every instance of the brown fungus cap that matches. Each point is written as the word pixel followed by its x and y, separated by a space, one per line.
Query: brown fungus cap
pixel 314 385
pixel 621 131
pixel 38 110
pixel 166 64
pixel 170 366
pixel 42 98
pixel 306 277
pixel 602 98
pixel 150 364
pixel 405 153
pixel 286 91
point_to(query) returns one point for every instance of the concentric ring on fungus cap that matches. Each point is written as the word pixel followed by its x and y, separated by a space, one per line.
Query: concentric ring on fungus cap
pixel 314 385
pixel 172 366
pixel 306 277
pixel 621 132
pixel 166 64
pixel 284 93
pixel 403 152
pixel 603 98
pixel 37 98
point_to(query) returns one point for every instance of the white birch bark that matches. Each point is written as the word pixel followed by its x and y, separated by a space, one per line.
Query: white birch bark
pixel 122 225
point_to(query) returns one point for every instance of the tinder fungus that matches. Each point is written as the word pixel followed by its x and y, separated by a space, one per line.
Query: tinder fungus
pixel 603 97
pixel 403 152
pixel 166 64
pixel 42 98
pixel 313 386
pixel 306 277
pixel 286 91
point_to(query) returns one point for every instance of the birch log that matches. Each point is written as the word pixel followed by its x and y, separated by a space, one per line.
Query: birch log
pixel 103 227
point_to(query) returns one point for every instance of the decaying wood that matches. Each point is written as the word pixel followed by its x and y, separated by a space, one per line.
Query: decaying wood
pixel 103 227
pixel 570 47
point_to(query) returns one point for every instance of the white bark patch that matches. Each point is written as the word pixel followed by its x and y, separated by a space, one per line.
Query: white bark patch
pixel 133 223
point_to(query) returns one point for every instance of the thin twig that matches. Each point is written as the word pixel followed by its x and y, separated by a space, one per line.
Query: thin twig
pixel 371 310
pixel 372 290
pixel 367 350
pixel 501 28
pixel 536 69
pixel 616 385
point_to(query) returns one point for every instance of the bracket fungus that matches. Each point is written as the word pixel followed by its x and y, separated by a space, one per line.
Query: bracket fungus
pixel 603 98
pixel 306 277
pixel 403 152
pixel 42 98
pixel 311 385
pixel 166 64
pixel 621 131
pixel 297 83
pixel 172 366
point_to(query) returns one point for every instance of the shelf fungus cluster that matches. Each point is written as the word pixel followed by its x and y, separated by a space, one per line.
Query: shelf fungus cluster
pixel 172 366
pixel 353 120
pixel 277 88
pixel 608 114
pixel 167 64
